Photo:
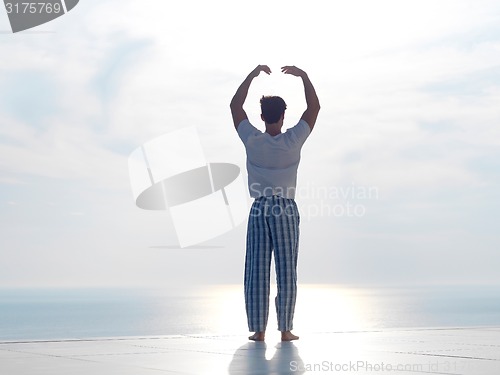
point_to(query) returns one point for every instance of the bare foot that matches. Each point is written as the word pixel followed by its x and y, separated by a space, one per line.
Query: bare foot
pixel 288 336
pixel 257 336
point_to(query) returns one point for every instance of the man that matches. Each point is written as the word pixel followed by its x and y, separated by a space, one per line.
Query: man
pixel 272 161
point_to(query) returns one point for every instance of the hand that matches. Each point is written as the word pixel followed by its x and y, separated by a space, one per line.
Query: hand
pixel 260 68
pixel 293 70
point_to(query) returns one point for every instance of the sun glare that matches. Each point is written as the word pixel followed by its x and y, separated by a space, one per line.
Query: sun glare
pixel 327 308
pixel 319 308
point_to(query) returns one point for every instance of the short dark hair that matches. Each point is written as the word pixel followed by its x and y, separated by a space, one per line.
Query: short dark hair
pixel 272 108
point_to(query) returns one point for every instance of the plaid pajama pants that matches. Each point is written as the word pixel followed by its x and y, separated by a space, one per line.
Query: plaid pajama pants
pixel 273 224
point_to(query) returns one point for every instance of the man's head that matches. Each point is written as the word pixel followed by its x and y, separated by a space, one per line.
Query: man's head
pixel 272 108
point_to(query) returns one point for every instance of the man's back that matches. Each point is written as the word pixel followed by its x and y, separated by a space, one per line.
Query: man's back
pixel 272 161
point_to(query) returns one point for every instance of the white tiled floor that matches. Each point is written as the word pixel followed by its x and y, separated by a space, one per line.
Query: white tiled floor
pixel 465 351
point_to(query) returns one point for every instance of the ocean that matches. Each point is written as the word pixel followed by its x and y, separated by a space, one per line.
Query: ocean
pixel 79 313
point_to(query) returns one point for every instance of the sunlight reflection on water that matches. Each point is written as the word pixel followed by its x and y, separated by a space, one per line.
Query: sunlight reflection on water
pixel 220 310
pixel 327 308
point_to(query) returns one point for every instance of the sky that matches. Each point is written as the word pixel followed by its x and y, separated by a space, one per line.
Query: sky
pixel 398 182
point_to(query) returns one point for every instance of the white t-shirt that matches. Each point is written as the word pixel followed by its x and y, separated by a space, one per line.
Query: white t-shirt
pixel 272 162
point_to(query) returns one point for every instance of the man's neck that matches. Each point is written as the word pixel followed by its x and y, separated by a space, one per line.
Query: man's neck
pixel 273 129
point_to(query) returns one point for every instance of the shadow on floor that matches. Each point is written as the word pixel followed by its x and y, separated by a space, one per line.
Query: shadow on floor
pixel 250 359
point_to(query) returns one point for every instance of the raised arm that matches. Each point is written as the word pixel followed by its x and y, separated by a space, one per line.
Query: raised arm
pixel 311 113
pixel 238 100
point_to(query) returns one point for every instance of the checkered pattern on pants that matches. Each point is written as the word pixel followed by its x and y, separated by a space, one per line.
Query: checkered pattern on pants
pixel 273 224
